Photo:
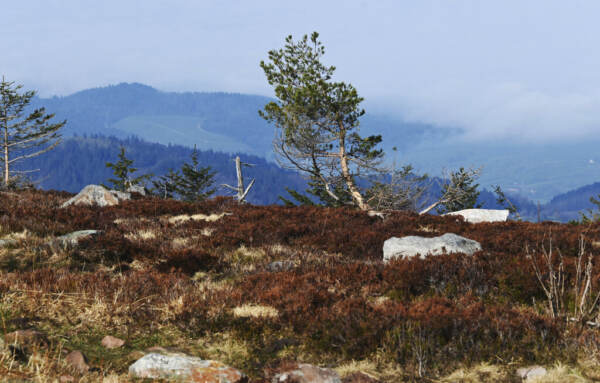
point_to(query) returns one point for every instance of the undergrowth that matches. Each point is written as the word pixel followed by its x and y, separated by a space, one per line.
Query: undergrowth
pixel 189 278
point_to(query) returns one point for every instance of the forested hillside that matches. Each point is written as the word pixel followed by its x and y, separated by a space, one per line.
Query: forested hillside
pixel 230 123
pixel 225 122
pixel 80 161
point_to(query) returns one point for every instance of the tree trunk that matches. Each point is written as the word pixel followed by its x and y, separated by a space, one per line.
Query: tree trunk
pixel 5 143
pixel 240 179
pixel 241 192
pixel 354 192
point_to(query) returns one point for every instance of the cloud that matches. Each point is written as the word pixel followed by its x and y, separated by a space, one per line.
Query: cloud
pixel 506 111
pixel 526 70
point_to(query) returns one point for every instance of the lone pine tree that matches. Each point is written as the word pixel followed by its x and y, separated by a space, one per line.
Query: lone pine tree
pixel 317 119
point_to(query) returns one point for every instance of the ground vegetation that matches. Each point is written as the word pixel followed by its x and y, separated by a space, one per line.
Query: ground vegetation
pixel 200 278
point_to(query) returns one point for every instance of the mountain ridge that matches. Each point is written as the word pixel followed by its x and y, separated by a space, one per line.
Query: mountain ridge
pixel 229 122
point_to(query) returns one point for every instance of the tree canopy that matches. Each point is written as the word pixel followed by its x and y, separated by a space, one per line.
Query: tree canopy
pixel 317 120
pixel 23 135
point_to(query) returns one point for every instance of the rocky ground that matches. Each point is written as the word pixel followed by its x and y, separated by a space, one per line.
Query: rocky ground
pixel 220 292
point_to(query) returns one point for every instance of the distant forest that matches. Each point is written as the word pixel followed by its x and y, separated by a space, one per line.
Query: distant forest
pixel 81 160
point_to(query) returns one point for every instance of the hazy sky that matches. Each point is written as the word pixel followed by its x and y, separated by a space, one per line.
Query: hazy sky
pixel 495 68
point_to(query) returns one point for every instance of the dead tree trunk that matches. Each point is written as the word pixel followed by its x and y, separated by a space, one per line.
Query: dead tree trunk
pixel 241 192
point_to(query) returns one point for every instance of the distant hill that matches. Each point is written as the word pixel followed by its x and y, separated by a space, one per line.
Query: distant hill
pixel 567 206
pixel 226 122
pixel 229 123
pixel 81 160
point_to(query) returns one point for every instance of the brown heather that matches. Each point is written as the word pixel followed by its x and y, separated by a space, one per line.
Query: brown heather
pixel 203 286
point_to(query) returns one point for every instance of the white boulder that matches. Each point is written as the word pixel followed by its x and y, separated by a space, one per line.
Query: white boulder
pixel 307 373
pixel 185 369
pixel 482 215
pixel 136 189
pixel 97 195
pixel 414 245
pixel 530 373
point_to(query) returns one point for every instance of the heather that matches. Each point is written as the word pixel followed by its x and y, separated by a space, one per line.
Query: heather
pixel 203 278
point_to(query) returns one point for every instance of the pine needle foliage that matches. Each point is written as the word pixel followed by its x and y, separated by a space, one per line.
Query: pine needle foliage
pixel 317 120
pixel 23 135
pixel 123 171
pixel 195 182
pixel 191 183
pixel 166 185
pixel 460 191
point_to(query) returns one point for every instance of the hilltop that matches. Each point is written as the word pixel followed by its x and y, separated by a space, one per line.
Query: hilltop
pixel 260 287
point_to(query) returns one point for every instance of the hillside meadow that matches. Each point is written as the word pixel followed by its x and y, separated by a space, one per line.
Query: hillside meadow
pixel 259 287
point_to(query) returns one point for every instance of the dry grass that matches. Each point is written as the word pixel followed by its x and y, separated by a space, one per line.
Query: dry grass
pixel 481 373
pixel 196 217
pixel 25 234
pixel 379 301
pixel 180 243
pixel 225 348
pixel 207 232
pixel 427 229
pixel 125 221
pixel 141 235
pixel 561 373
pixel 590 367
pixel 365 366
pixel 255 311
pixel 245 259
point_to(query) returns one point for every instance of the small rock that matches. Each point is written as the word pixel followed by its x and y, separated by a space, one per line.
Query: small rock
pixel 280 266
pixel 378 214
pixel 72 239
pixel 307 373
pixel 78 361
pixel 482 215
pixel 97 195
pixel 137 189
pixel 359 377
pixel 412 245
pixel 185 368
pixel 530 372
pixel 66 379
pixel 111 342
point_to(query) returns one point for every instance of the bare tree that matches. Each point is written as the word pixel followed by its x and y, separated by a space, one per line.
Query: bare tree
pixel 23 135
pixel 241 192
pixel 550 271
pixel 398 190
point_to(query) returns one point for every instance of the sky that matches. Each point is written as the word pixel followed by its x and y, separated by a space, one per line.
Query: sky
pixel 517 69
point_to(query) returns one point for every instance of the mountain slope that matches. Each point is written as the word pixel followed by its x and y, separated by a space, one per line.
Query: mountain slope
pixel 213 121
pixel 80 161
pixel 230 123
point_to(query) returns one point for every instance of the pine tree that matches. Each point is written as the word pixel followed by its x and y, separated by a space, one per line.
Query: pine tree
pixel 23 135
pixel 316 194
pixel 460 192
pixel 317 120
pixel 123 171
pixel 166 185
pixel 194 183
